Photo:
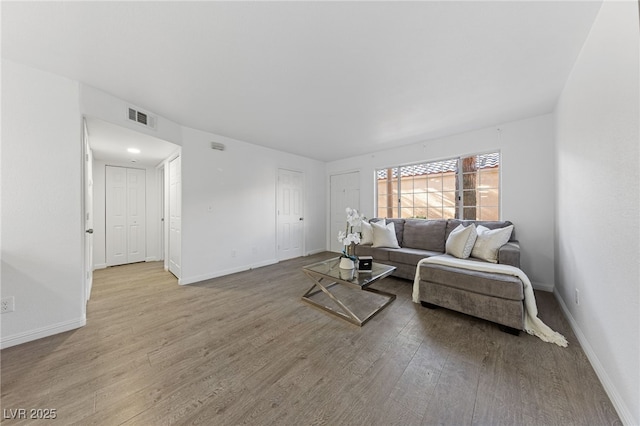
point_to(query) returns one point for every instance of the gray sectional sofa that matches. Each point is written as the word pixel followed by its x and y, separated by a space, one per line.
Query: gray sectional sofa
pixel 494 297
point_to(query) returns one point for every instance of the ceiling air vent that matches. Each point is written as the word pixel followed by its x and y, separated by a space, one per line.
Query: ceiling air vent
pixel 142 118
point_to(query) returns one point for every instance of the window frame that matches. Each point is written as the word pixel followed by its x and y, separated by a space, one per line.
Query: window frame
pixel 458 192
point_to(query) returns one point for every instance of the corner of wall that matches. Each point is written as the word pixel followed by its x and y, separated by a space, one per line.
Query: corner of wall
pixel 548 287
pixel 39 333
pixel 600 370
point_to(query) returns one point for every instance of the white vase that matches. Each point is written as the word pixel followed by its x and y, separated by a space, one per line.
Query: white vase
pixel 347 274
pixel 346 263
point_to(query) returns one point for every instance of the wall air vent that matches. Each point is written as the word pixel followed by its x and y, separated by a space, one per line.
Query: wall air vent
pixel 142 118
pixel 217 146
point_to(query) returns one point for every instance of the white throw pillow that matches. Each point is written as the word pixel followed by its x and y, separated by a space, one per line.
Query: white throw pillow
pixel 489 241
pixel 384 235
pixel 461 240
pixel 366 232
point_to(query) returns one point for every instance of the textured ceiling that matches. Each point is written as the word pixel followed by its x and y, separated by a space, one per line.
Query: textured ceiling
pixel 322 79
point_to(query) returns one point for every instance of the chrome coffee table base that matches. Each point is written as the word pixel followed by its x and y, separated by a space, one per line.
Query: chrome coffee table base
pixel 345 313
pixel 326 275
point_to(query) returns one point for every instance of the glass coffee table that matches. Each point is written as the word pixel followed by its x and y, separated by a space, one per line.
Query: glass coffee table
pixel 333 287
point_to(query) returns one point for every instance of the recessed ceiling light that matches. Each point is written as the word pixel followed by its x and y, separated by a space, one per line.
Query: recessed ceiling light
pixel 133 150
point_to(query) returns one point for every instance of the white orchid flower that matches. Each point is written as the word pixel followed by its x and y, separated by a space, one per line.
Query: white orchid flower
pixel 353 219
pixel 349 238
pixel 353 238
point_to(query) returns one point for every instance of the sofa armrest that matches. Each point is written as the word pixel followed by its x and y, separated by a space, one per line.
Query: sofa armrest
pixel 509 254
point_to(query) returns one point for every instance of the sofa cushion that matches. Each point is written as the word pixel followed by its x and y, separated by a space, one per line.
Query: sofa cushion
pixel 378 254
pixel 424 234
pixel 365 250
pixel 384 235
pixel 496 285
pixel 502 311
pixel 509 254
pixel 410 256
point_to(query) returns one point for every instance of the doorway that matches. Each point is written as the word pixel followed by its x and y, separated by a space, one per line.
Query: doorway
pixel 108 146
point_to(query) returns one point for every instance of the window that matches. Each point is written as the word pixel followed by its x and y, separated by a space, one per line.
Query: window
pixel 466 187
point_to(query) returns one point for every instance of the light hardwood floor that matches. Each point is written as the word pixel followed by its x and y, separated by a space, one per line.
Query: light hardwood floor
pixel 244 349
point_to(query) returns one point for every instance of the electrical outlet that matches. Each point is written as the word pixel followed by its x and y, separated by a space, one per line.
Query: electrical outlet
pixel 7 304
pixel 577 297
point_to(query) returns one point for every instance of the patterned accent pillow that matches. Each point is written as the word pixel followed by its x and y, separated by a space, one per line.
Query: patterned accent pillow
pixel 461 240
pixel 366 232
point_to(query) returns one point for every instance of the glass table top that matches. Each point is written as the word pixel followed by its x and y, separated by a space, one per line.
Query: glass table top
pixel 329 269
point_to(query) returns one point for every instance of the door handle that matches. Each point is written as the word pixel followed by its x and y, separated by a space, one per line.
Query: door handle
pixel 302 218
pixel 89 231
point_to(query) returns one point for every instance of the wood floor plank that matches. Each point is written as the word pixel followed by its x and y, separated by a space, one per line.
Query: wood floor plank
pixel 417 384
pixel 244 349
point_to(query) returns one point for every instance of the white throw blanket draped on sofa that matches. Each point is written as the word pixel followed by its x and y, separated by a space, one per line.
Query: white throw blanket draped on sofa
pixel 532 324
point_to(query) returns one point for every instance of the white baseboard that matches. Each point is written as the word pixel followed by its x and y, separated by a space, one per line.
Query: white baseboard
pixel 216 274
pixel 543 286
pixel 317 251
pixel 618 403
pixel 100 266
pixel 151 259
pixel 39 333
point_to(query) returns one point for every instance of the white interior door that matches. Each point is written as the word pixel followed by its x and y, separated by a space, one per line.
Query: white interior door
pixel 345 192
pixel 175 216
pixel 116 215
pixel 88 214
pixel 290 214
pixel 161 194
pixel 125 215
pixel 136 214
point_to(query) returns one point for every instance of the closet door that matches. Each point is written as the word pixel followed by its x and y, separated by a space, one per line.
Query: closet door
pixel 116 215
pixel 136 235
pixel 125 215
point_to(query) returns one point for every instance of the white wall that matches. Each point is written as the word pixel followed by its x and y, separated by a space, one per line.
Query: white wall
pixel 229 203
pixel 598 203
pixel 527 187
pixel 152 205
pixel 42 227
pixel 240 186
pixel 96 103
